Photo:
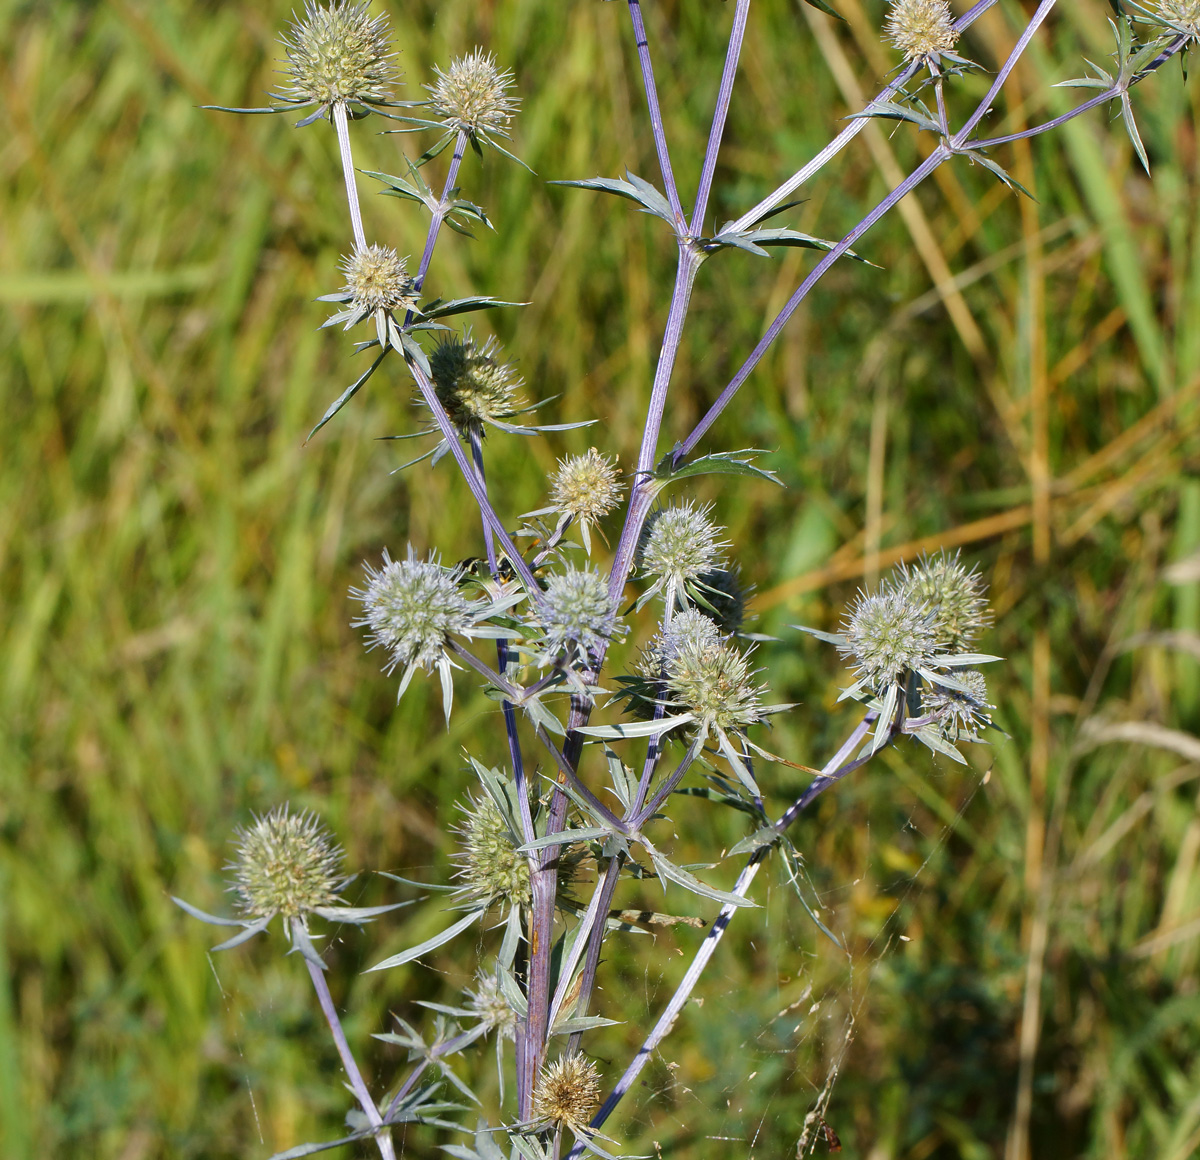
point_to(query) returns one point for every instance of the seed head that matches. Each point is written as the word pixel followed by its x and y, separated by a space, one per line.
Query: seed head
pixel 285 864
pixel 1183 15
pixel 921 29
pixel 954 595
pixel 472 383
pixel 376 279
pixel 962 715
pixel 489 1003
pixel 471 96
pixel 586 487
pixel 411 608
pixel 576 607
pixel 338 53
pixel 568 1092
pixel 688 629
pixel 679 544
pixel 712 679
pixel 888 634
pixel 488 863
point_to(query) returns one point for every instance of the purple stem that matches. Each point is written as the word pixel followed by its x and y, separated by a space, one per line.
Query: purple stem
pixel 343 135
pixel 668 787
pixel 489 541
pixel 435 1052
pixel 485 670
pixel 724 94
pixel 656 121
pixel 439 214
pixel 587 981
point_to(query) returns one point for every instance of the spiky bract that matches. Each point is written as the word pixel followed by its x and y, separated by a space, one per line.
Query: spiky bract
pixel 337 52
pixel 921 29
pixel 586 487
pixel 713 680
pixel 412 607
pixel 576 607
pixel 955 597
pixel 489 866
pixel 377 279
pixel 472 95
pixel 568 1092
pixel 285 864
pixel 679 544
pixel 888 634
pixel 473 383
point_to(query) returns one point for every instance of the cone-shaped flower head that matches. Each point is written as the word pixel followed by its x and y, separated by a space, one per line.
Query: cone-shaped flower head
pixel 586 487
pixel 472 95
pixel 921 29
pixel 285 864
pixel 888 634
pixel 679 544
pixel 568 1092
pixel 576 607
pixel 955 597
pixel 489 866
pixel 412 607
pixel 337 52
pixel 713 680
pixel 961 715
pixel 1181 14
pixel 377 279
pixel 472 382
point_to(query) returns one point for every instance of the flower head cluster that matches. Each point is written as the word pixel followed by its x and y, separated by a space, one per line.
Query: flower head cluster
pixel 285 864
pixel 472 96
pixel 337 52
pixel 472 382
pixel 568 1093
pixel 576 608
pixel 1182 15
pixel 888 634
pixel 955 597
pixel 960 715
pixel 679 544
pixel 921 29
pixel 585 488
pixel 712 679
pixel 377 279
pixel 489 866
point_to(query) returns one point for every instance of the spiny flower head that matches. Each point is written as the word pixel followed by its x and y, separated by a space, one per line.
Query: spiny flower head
pixel 473 384
pixel 586 487
pixel 337 52
pixel 568 1092
pixel 960 715
pixel 472 95
pixel 576 607
pixel 376 279
pixel 412 607
pixel 955 597
pixel 285 864
pixel 679 544
pixel 713 680
pixel 491 1006
pixel 1183 15
pixel 488 863
pixel 888 634
pixel 687 629
pixel 921 29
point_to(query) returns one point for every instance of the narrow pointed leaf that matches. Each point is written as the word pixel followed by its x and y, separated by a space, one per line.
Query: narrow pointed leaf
pixel 348 394
pixel 430 944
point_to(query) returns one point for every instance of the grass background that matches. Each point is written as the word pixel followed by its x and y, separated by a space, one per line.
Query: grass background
pixel 1018 379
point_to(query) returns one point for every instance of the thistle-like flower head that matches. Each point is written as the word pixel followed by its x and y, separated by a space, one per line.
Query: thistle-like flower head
pixel 888 634
pixel 473 383
pixel 689 629
pixel 412 607
pixel 285 864
pixel 576 607
pixel 472 95
pixel 1182 15
pixel 568 1093
pixel 586 487
pixel 955 597
pixel 713 680
pixel 679 544
pixel 377 279
pixel 921 29
pixel 491 1006
pixel 337 52
pixel 489 866
pixel 960 715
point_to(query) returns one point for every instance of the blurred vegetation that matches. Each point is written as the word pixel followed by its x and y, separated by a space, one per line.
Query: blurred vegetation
pixel 1018 378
